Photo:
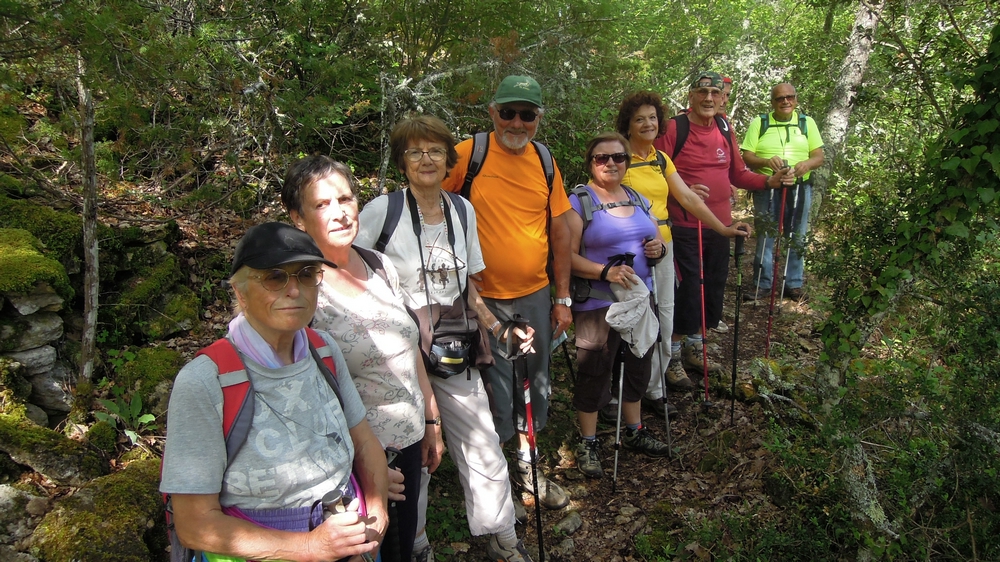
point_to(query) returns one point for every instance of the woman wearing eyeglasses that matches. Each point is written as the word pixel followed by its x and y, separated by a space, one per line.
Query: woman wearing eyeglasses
pixel 264 499
pixel 361 304
pixel 434 254
pixel 652 173
pixel 610 222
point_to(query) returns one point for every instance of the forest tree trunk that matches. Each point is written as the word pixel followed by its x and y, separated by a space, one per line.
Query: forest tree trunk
pixel 837 124
pixel 90 277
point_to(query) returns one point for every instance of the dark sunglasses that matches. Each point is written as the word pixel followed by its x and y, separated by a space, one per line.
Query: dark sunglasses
pixel 527 115
pixel 780 99
pixel 602 159
pixel 277 279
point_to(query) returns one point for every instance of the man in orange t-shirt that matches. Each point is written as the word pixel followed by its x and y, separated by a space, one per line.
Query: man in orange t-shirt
pixel 513 202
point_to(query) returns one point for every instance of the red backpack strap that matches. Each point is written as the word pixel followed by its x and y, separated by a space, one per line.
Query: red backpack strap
pixel 237 398
pixel 322 348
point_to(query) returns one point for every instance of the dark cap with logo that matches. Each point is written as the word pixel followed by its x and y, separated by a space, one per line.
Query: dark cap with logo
pixel 274 244
pixel 708 79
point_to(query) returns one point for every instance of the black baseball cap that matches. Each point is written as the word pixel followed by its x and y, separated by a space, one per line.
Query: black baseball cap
pixel 273 244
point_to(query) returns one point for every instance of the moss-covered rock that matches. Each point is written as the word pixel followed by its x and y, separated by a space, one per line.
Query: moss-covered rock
pixel 178 311
pixel 61 233
pixel 150 375
pixel 103 437
pixel 23 265
pixel 11 380
pixel 62 460
pixel 117 518
pixel 130 311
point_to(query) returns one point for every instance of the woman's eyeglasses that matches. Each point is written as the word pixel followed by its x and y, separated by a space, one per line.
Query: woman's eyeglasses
pixel 527 115
pixel 277 279
pixel 602 159
pixel 415 154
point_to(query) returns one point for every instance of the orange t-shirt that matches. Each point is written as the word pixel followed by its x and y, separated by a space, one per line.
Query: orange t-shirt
pixel 510 196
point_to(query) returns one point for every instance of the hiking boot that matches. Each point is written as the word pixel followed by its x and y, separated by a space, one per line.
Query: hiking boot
pixel 693 356
pixel 425 555
pixel 587 458
pixel 721 327
pixel 609 413
pixel 643 441
pixel 757 294
pixel 496 552
pixel 550 494
pixel 657 405
pixel 520 514
pixel 677 378
pixel 795 294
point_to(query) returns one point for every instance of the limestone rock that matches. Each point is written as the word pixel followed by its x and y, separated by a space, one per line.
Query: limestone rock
pixel 15 521
pixel 62 460
pixel 42 298
pixel 570 524
pixel 8 554
pixel 50 390
pixel 35 361
pixel 36 415
pixel 28 332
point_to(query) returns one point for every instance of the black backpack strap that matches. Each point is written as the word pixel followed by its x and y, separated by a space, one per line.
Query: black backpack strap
pixel 803 126
pixel 765 123
pixel 480 147
pixel 683 128
pixel 727 131
pixel 545 156
pixel 393 211
pixel 374 262
pixel 463 216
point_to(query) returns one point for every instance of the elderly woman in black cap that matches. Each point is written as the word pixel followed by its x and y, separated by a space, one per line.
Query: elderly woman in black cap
pixel 269 495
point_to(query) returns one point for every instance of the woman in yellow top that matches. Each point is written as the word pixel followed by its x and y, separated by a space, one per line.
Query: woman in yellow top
pixel 652 173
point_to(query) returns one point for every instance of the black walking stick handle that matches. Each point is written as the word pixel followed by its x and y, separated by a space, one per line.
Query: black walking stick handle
pixel 390 550
pixel 512 349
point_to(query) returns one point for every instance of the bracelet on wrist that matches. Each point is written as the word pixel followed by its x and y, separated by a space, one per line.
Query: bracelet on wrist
pixel 493 327
pixel 434 421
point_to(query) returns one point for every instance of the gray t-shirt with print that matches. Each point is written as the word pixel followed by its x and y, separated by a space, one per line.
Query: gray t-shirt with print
pixel 298 448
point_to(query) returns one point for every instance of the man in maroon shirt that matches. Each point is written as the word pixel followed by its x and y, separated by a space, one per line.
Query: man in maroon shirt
pixel 707 154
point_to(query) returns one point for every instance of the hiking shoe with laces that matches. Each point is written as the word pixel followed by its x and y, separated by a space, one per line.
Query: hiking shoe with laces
pixel 657 406
pixel 425 555
pixel 643 441
pixel 609 413
pixel 517 554
pixel 795 294
pixel 520 514
pixel 588 459
pixel 721 327
pixel 677 378
pixel 756 294
pixel 550 494
pixel 692 355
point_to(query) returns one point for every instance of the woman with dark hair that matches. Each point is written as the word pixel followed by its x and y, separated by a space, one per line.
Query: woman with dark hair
pixel 652 174
pixel 434 253
pixel 610 221
pixel 361 304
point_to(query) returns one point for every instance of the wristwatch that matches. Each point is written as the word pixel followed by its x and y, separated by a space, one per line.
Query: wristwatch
pixel 565 301
pixel 435 421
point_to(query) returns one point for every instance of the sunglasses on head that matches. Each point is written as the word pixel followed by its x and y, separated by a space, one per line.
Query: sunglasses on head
pixel 277 279
pixel 527 115
pixel 602 159
pixel 780 99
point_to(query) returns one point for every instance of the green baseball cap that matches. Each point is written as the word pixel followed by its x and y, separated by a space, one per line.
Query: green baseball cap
pixel 519 88
pixel 708 79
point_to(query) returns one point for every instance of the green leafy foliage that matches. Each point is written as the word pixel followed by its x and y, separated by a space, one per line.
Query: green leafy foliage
pixel 125 413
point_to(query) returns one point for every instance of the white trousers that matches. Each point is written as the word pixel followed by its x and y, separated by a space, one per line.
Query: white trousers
pixel 665 279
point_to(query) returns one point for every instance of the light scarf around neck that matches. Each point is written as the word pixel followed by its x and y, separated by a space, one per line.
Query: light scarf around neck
pixel 250 343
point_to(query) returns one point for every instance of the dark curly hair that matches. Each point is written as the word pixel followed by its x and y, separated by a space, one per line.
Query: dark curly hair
pixel 632 103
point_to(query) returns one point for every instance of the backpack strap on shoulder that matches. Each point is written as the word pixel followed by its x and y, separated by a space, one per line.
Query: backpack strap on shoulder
pixel 803 125
pixel 463 217
pixel 393 211
pixel 374 262
pixel 237 395
pixel 545 156
pixel 480 147
pixel 683 129
pixel 324 360
pixel 586 202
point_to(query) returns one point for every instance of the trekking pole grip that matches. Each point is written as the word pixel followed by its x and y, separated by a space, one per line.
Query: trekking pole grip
pixel 740 241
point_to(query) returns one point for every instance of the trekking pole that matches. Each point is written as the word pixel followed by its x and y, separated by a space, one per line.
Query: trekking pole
pixel 774 274
pixel 759 252
pixel 390 548
pixel 659 351
pixel 704 320
pixel 737 254
pixel 520 361
pixel 618 426
pixel 791 235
